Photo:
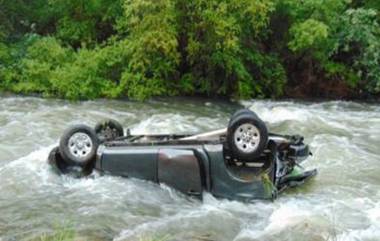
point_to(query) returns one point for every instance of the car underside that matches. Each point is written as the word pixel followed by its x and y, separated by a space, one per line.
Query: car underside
pixel 242 162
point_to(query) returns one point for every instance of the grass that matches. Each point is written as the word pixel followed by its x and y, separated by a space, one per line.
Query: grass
pixel 62 234
pixel 157 238
pixel 66 232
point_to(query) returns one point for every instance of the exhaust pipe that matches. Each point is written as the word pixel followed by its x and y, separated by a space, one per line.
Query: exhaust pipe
pixel 212 135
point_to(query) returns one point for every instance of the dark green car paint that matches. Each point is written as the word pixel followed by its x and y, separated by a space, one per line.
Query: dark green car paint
pixel 197 167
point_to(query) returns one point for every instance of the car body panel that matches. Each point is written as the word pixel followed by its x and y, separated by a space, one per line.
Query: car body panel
pixel 135 162
pixel 240 183
pixel 190 169
pixel 180 169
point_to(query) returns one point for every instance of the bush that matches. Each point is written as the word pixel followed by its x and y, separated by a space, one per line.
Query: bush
pixel 43 57
pixel 152 48
pixel 80 49
pixel 216 36
pixel 308 35
pixel 91 74
pixel 359 36
pixel 53 70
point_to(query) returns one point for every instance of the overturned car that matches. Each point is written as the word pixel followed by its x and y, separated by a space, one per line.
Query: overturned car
pixel 242 162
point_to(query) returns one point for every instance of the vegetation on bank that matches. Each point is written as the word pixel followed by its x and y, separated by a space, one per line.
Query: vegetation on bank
pixel 66 232
pixel 61 233
pixel 80 49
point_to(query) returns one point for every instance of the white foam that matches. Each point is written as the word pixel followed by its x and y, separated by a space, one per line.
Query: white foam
pixel 31 161
pixel 280 114
pixel 371 233
pixel 343 140
pixel 283 217
pixel 374 214
pixel 166 124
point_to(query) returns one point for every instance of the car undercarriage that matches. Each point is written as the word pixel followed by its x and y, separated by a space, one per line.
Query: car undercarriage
pixel 241 162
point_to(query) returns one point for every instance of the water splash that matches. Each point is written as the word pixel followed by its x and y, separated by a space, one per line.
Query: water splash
pixel 342 203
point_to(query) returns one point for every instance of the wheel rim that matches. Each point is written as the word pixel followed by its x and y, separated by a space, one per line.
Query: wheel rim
pixel 247 138
pixel 108 133
pixel 80 145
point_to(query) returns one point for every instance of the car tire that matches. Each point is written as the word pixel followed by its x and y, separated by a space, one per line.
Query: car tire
pixel 244 111
pixel 247 136
pixel 108 130
pixel 78 145
pixel 56 162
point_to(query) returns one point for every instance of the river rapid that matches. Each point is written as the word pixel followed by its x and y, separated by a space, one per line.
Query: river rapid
pixel 341 203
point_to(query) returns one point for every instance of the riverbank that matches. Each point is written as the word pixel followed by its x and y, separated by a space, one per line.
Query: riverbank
pixel 295 96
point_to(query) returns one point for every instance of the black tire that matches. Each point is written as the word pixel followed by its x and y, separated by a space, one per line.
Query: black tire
pixel 81 151
pixel 108 130
pixel 244 111
pixel 56 162
pixel 247 137
pixel 61 167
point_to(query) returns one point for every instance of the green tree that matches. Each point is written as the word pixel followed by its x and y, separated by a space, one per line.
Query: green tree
pixel 152 48
pixel 217 41
pixel 84 22
pixel 80 49
pixel 359 38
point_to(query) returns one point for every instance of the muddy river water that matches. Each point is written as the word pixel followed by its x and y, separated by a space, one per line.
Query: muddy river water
pixel 341 203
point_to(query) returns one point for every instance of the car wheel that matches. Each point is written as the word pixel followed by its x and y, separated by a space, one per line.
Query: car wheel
pixel 108 130
pixel 78 145
pixel 247 136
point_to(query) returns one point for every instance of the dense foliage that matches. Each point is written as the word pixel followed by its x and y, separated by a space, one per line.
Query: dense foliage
pixel 80 49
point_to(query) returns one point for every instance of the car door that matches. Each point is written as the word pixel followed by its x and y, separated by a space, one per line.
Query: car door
pixel 180 169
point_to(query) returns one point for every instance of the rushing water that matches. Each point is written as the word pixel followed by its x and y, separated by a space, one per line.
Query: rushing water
pixel 341 203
